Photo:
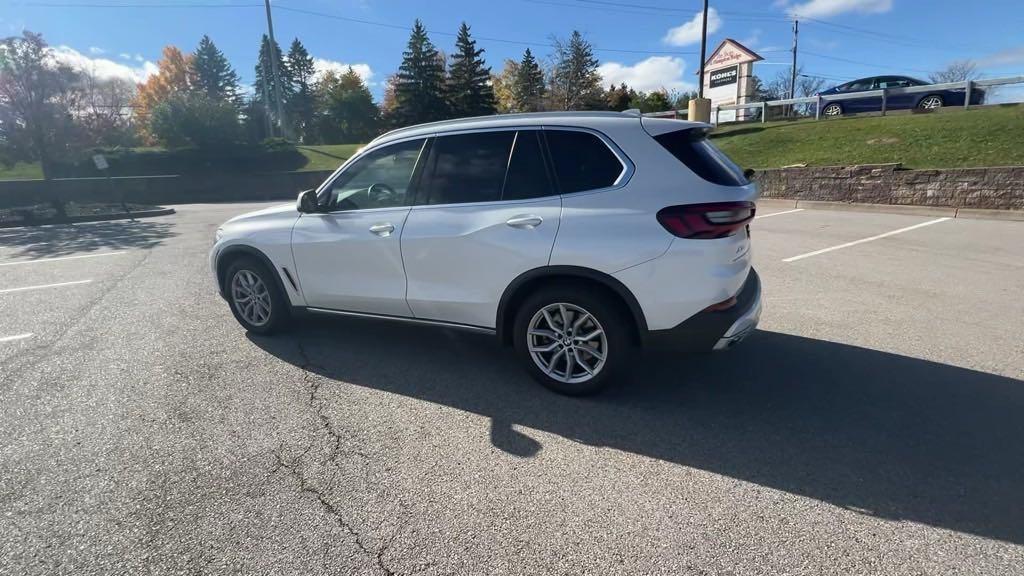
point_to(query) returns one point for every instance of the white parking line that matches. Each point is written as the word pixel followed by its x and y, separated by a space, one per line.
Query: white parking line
pixel 863 240
pixel 13 338
pixel 779 213
pixel 41 286
pixel 42 260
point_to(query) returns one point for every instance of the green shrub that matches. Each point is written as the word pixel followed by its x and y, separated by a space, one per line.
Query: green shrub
pixel 195 120
pixel 269 156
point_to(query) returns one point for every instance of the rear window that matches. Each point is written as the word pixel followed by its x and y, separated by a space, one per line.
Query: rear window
pixel 692 148
pixel 467 167
pixel 582 161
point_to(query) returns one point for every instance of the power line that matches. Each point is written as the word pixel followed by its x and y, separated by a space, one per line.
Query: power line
pixel 860 63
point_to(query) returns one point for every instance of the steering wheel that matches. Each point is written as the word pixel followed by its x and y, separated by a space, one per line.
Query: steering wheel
pixel 380 193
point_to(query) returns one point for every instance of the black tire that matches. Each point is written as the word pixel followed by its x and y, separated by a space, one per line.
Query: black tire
pixel 619 346
pixel 280 308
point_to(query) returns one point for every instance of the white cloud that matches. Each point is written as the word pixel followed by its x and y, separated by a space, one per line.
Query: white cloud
pixel 102 67
pixel 1009 57
pixel 752 40
pixel 689 32
pixel 826 8
pixel 96 50
pixel 323 65
pixel 654 73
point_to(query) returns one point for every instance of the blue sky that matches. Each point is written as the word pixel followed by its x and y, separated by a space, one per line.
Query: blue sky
pixel 647 43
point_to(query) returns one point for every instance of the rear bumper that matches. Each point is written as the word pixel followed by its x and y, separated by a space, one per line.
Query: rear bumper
pixel 715 330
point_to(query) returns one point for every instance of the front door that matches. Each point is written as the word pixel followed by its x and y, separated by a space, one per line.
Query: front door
pixel 348 257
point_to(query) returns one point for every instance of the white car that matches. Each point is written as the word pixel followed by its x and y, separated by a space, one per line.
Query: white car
pixel 574 236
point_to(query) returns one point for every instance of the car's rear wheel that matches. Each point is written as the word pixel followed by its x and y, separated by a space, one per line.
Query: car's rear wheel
pixel 571 340
pixel 254 297
pixel 833 109
pixel 930 102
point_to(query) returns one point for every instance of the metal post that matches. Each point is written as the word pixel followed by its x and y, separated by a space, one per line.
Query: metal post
pixel 967 94
pixel 792 76
pixel 817 107
pixel 274 55
pixel 885 91
pixel 764 111
pixel 703 50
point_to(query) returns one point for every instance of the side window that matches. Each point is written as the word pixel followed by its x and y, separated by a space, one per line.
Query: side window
pixel 467 167
pixel 527 175
pixel 380 179
pixel 582 161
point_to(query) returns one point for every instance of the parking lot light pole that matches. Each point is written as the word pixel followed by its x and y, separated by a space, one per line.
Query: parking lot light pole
pixel 274 68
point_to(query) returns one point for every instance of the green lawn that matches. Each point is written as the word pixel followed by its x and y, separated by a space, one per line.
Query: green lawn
pixel 327 156
pixel 948 139
pixel 21 171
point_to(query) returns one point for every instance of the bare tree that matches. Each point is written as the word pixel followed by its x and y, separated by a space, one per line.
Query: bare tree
pixel 956 71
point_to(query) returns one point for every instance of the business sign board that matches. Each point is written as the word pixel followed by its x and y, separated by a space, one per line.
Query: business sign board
pixel 723 77
pixel 727 79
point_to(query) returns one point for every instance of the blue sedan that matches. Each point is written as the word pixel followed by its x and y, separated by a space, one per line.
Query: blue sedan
pixel 923 100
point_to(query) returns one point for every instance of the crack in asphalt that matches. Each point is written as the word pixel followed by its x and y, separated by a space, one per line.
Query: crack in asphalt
pixel 306 488
pixel 314 382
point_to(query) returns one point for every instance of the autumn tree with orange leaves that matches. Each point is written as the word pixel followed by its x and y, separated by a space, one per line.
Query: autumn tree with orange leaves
pixel 172 78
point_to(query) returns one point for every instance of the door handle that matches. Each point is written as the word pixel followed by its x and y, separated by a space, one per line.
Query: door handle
pixel 382 230
pixel 525 221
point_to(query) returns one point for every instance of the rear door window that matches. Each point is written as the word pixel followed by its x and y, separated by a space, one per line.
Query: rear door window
pixel 582 161
pixel 467 167
pixel 692 148
pixel 527 174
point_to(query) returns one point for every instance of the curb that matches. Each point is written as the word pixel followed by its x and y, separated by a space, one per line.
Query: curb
pixel 94 218
pixel 937 211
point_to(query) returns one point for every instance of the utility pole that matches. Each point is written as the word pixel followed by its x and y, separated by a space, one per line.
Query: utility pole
pixel 266 102
pixel 703 48
pixel 274 56
pixel 792 77
pixel 699 108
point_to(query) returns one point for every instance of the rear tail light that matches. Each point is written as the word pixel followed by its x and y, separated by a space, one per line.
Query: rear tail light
pixel 706 221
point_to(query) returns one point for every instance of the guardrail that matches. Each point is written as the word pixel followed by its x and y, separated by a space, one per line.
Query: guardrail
pixel 819 101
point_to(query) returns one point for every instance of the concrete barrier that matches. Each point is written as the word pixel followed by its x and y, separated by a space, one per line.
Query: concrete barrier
pixel 161 190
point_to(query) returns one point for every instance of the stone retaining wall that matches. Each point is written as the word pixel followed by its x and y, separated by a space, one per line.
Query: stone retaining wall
pixel 991 188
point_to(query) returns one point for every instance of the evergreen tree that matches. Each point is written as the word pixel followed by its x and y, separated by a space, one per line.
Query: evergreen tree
pixel 620 98
pixel 419 86
pixel 469 90
pixel 212 74
pixel 575 82
pixel 347 111
pixel 303 101
pixel 529 84
pixel 264 87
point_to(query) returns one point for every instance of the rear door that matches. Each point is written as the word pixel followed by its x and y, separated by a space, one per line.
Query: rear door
pixel 897 101
pixel 486 212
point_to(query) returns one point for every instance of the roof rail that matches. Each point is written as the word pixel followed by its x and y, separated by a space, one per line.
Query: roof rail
pixel 471 119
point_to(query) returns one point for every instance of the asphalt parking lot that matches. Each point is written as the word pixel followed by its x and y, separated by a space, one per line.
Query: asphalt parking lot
pixel 874 424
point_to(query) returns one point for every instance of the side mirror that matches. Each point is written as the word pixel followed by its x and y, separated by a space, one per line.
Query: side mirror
pixel 748 173
pixel 307 203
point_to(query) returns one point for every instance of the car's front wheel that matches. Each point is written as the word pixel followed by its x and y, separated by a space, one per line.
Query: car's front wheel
pixel 930 102
pixel 254 297
pixel 572 340
pixel 833 109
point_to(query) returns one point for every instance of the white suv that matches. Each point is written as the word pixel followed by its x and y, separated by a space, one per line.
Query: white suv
pixel 572 236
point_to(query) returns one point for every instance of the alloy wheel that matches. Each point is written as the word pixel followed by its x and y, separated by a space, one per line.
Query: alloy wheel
pixel 567 343
pixel 931 102
pixel 833 110
pixel 251 297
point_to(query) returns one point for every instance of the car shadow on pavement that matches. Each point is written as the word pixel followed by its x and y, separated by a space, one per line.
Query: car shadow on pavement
pixel 65 239
pixel 882 434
